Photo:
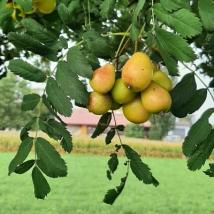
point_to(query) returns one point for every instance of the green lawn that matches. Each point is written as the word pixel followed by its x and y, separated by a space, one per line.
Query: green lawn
pixel 181 191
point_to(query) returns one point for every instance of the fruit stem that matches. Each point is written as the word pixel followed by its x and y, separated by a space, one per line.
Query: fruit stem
pixel 89 15
pixel 121 142
pixel 121 42
pixel 117 34
pixel 200 79
pixel 153 18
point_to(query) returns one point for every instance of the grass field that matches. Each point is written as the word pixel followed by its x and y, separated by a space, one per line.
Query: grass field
pixel 181 191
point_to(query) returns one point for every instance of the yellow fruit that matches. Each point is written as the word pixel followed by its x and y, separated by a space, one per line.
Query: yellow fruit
pixel 138 71
pixel 135 112
pixel 99 103
pixel 121 93
pixel 103 79
pixel 156 99
pixel 45 6
pixel 163 80
pixel 9 5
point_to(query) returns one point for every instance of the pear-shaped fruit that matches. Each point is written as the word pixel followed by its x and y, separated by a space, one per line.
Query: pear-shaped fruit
pixel 99 103
pixel 135 112
pixel 163 80
pixel 103 79
pixel 138 71
pixel 156 99
pixel 45 6
pixel 121 93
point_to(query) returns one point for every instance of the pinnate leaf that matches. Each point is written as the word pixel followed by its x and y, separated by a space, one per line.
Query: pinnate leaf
pixel 113 194
pixel 78 63
pixel 24 167
pixel 49 160
pixel 140 169
pixel 22 153
pixel 201 153
pixel 70 83
pixel 26 70
pixel 198 133
pixel 58 98
pixel 110 135
pixel 30 101
pixel 102 124
pixel 206 8
pixel 41 186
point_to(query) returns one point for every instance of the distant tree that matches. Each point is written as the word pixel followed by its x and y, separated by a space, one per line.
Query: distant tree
pixel 134 130
pixel 12 91
pixel 161 125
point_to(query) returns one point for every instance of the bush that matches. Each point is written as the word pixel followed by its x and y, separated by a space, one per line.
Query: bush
pixel 155 133
pixel 134 130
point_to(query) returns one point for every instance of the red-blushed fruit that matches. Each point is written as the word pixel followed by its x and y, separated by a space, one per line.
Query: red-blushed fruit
pixel 99 103
pixel 163 80
pixel 138 71
pixel 135 112
pixel 103 79
pixel 121 93
pixel 156 99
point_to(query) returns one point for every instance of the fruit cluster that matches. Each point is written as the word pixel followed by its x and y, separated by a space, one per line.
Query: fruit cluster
pixel 42 6
pixel 142 89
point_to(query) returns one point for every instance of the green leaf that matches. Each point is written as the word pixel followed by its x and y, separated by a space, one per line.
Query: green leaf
pixel 70 83
pixel 49 160
pixel 102 124
pixel 29 43
pixel 22 153
pixel 194 103
pixel 113 194
pixel 120 128
pixel 78 63
pixel 110 135
pixel 140 169
pixel 183 21
pixel 113 163
pixel 202 153
pixel 30 101
pixel 24 132
pixel 107 7
pixel 206 8
pixel 26 70
pixel 174 45
pixel 181 96
pixel 57 131
pixel 39 32
pixel 97 44
pixel 51 108
pixel 65 13
pixel 41 186
pixel 26 5
pixel 24 167
pixel 174 5
pixel 210 171
pixel 58 98
pixel 170 62
pixel 198 133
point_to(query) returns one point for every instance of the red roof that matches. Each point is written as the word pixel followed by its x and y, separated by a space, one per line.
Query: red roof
pixel 82 116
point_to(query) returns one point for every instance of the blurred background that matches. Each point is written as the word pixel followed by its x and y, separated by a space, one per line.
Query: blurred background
pixel 158 141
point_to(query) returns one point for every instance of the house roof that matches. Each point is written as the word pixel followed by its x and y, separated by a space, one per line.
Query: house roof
pixel 81 116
